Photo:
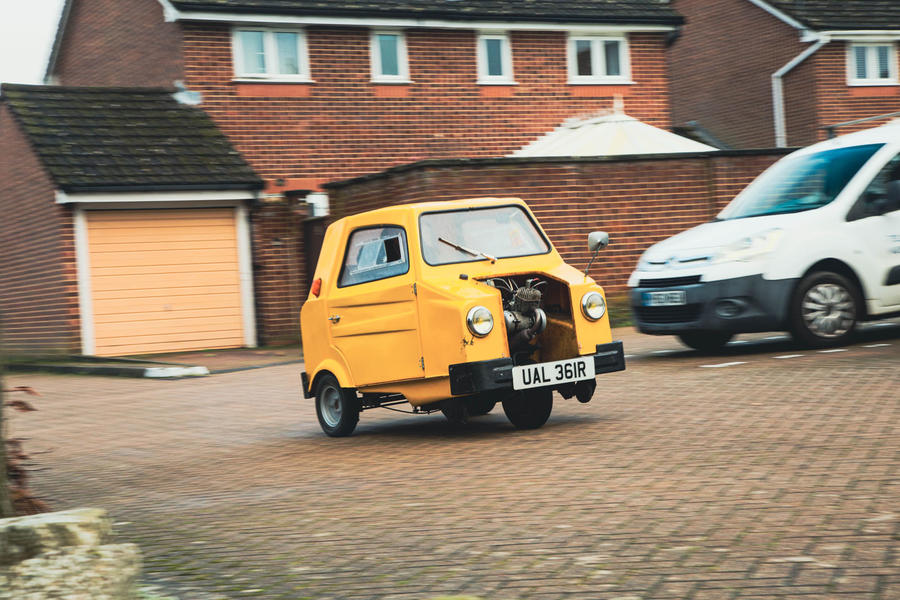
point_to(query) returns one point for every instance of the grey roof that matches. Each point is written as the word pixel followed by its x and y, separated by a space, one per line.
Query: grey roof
pixel 95 139
pixel 573 11
pixel 824 15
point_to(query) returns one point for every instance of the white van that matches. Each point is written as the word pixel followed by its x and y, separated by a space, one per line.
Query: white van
pixel 812 246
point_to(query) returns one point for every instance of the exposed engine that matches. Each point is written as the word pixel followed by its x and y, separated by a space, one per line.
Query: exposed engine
pixel 522 311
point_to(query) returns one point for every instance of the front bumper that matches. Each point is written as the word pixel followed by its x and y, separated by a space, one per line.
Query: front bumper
pixel 758 305
pixel 490 375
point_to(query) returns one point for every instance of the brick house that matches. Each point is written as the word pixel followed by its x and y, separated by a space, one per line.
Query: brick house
pixel 311 92
pixel 758 73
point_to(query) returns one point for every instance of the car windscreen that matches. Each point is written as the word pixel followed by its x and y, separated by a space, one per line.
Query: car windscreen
pixel 479 234
pixel 799 184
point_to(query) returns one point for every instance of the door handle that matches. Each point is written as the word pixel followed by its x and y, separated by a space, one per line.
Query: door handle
pixel 334 318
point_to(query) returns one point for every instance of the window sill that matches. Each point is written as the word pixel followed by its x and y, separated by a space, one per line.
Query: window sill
pixel 878 83
pixel 391 81
pixel 600 82
pixel 274 80
pixel 496 82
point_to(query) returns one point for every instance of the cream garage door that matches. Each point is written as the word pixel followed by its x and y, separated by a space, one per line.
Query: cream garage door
pixel 164 280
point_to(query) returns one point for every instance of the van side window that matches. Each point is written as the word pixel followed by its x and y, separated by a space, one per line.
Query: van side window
pixel 374 253
pixel 874 200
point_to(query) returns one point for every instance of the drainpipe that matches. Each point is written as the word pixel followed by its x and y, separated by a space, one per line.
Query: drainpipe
pixel 778 89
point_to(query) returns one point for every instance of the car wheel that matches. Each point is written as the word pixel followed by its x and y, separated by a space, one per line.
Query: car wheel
pixel 529 409
pixel 705 341
pixel 480 405
pixel 824 310
pixel 337 408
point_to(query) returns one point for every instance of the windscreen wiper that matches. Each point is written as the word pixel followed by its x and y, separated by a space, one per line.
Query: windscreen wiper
pixel 468 251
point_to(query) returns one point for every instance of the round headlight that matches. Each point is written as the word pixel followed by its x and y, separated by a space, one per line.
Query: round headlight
pixel 593 306
pixel 480 321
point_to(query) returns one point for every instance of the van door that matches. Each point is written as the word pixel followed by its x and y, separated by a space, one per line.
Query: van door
pixel 875 225
pixel 372 310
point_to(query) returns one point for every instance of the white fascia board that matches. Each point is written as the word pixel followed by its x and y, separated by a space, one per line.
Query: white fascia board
pixel 83 271
pixel 864 35
pixel 135 197
pixel 297 20
pixel 781 16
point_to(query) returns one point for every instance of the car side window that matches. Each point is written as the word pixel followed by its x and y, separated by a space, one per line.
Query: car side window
pixel 374 253
pixel 876 200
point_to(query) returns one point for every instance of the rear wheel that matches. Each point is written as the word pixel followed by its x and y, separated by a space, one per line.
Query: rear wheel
pixel 337 408
pixel 705 341
pixel 529 409
pixel 825 310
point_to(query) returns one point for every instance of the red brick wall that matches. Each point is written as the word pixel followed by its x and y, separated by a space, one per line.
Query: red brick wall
pixel 722 65
pixel 839 102
pixel 39 294
pixel 119 43
pixel 637 201
pixel 341 126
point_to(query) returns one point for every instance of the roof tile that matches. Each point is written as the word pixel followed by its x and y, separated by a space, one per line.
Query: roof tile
pixel 824 15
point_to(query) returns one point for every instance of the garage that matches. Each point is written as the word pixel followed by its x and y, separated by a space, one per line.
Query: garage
pixel 164 280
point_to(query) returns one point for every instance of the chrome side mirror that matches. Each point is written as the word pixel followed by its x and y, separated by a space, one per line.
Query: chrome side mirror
pixel 598 240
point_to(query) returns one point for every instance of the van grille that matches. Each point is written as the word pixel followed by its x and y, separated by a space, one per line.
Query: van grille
pixel 669 281
pixel 668 314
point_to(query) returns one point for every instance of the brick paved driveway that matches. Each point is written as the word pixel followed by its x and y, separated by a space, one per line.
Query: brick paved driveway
pixel 747 475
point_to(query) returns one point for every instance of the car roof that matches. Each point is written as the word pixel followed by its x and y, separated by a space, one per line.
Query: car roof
pixel 402 211
pixel 885 134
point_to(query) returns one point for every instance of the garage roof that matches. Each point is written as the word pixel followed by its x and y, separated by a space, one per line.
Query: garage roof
pixel 571 11
pixel 823 15
pixel 136 139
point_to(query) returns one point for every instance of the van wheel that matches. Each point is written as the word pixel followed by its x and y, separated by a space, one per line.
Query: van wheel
pixel 824 310
pixel 705 341
pixel 529 409
pixel 337 408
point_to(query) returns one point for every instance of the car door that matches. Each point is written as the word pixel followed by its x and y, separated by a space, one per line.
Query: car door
pixel 373 311
pixel 874 222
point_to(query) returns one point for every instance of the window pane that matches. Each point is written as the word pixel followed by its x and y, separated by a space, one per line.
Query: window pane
pixel 388 49
pixel 884 71
pixel 374 254
pixel 583 56
pixel 253 55
pixel 493 49
pixel 613 66
pixel 859 57
pixel 288 55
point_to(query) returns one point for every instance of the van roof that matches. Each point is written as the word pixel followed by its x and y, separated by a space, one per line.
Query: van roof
pixel 885 134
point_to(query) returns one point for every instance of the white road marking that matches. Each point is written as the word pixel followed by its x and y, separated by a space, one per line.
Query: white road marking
pixel 789 356
pixel 876 345
pixel 833 350
pixel 720 365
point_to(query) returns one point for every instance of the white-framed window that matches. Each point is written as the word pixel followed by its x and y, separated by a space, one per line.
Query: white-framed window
pixel 494 54
pixel 388 56
pixel 264 53
pixel 598 59
pixel 872 64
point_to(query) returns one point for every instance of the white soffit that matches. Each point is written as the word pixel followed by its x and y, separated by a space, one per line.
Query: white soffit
pixel 608 135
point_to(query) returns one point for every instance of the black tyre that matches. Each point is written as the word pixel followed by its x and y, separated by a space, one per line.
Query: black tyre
pixel 529 409
pixel 825 309
pixel 707 342
pixel 337 408
pixel 480 405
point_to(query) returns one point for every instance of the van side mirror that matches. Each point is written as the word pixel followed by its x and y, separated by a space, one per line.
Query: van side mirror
pixel 598 240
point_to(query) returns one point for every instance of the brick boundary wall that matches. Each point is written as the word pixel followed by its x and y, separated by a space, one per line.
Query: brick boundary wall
pixel 39 293
pixel 638 200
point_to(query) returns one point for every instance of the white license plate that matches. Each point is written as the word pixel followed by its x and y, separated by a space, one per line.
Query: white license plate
pixel 552 373
pixel 671 298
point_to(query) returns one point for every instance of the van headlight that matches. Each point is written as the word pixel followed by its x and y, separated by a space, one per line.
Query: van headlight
pixel 750 248
pixel 593 306
pixel 480 321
